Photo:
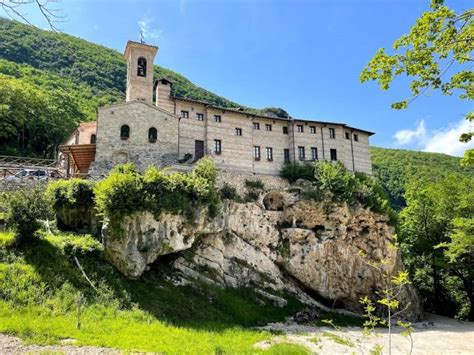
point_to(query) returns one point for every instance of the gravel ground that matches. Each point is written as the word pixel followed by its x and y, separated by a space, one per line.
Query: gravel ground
pixel 435 335
pixel 13 345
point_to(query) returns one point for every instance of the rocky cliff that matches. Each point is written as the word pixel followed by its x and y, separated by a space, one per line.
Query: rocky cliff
pixel 280 244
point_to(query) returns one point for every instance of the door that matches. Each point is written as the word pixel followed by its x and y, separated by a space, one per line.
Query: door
pixel 198 150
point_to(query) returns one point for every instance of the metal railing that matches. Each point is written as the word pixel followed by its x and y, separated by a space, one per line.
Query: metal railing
pixel 26 163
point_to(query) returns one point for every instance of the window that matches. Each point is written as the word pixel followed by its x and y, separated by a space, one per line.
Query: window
pixel 124 132
pixel 256 152
pixel 314 153
pixel 269 151
pixel 184 114
pixel 152 135
pixel 200 116
pixel 300 128
pixel 268 127
pixel 356 137
pixel 286 155
pixel 312 129
pixel 217 118
pixel 348 136
pixel 217 146
pixel 141 67
pixel 332 133
pixel 93 138
pixel 285 130
pixel 238 131
pixel 256 125
pixel 333 154
pixel 301 153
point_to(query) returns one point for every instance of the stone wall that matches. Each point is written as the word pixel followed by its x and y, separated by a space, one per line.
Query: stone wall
pixel 237 151
pixel 270 182
pixel 140 117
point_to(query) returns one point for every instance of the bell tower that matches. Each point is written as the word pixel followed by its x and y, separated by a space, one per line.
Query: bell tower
pixel 140 58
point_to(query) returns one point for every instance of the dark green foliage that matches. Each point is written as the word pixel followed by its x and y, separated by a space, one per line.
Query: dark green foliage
pixel 429 234
pixel 254 184
pixel 396 168
pixel 228 192
pixel 251 196
pixel 32 120
pixel 275 111
pixel 295 171
pixel 73 193
pixel 25 208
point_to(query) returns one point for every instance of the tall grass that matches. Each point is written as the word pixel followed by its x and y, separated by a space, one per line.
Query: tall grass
pixel 41 284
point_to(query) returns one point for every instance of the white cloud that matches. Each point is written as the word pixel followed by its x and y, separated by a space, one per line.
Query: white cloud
pixel 407 136
pixel 444 140
pixel 145 25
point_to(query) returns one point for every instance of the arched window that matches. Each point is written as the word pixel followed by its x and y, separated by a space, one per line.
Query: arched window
pixel 152 135
pixel 124 132
pixel 93 138
pixel 141 67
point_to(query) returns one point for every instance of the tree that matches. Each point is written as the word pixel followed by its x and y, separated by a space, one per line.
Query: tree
pixel 34 121
pixel 15 9
pixel 437 242
pixel 460 254
pixel 436 53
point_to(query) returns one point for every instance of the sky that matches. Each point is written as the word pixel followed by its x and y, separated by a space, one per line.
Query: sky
pixel 304 56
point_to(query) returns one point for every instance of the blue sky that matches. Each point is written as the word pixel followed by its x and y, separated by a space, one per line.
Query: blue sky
pixel 304 56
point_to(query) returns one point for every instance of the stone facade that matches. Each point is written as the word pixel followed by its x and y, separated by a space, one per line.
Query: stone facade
pixel 187 129
pixel 138 147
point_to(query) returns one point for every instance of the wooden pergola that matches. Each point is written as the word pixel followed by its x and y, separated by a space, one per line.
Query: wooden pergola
pixel 79 157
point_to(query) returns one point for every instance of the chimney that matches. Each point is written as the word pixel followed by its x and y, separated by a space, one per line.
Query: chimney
pixel 163 94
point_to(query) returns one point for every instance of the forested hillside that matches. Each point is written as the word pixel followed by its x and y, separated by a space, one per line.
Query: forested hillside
pixel 101 68
pixel 395 168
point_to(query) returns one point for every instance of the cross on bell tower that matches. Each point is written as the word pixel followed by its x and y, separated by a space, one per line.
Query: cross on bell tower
pixel 140 57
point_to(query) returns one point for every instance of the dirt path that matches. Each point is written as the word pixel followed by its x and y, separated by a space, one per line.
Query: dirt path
pixel 435 335
pixel 13 345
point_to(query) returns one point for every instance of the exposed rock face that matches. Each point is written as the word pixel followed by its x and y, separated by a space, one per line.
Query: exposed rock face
pixel 81 219
pixel 284 243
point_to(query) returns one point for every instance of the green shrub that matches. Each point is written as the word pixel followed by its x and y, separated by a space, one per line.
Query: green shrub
pixel 295 171
pixel 120 193
pixel 26 207
pixel 251 196
pixel 228 192
pixel 206 168
pixel 335 179
pixel 125 191
pixel 254 184
pixel 71 193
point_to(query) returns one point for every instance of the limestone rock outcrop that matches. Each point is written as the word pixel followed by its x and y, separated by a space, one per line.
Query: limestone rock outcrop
pixel 281 244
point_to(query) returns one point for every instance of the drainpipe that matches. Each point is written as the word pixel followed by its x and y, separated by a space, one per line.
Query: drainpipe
pixel 322 141
pixel 253 158
pixel 206 122
pixel 352 153
pixel 293 134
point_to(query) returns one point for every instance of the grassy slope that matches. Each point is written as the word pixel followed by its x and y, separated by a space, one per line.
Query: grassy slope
pixel 39 287
pixel 395 168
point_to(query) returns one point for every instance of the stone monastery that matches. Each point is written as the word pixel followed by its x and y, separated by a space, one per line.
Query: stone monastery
pixel 176 132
